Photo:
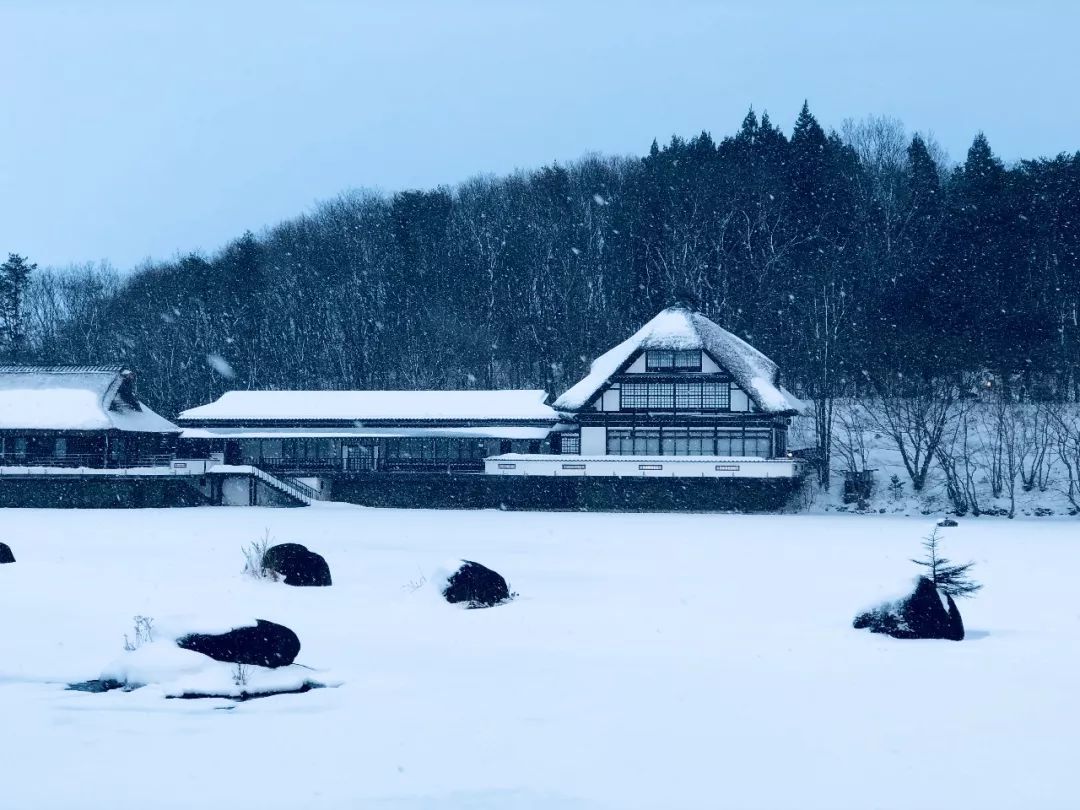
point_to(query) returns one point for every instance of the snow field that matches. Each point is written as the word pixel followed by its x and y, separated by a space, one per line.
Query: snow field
pixel 650 661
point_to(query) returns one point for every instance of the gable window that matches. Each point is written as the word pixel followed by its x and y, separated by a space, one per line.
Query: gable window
pixel 673 360
pixel 688 361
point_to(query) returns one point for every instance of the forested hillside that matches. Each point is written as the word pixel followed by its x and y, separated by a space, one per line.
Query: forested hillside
pixel 850 258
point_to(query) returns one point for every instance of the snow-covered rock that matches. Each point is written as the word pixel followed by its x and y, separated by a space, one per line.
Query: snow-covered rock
pixel 471 584
pixel 926 613
pixel 266 644
pixel 297 565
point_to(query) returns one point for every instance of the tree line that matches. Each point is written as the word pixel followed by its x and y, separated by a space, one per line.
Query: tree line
pixel 859 260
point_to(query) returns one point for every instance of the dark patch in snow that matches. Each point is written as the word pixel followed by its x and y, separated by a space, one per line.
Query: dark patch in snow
pixel 265 645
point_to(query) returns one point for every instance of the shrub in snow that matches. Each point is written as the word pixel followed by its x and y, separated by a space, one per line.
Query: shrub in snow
pixel 254 554
pixel 926 613
pixel 947 523
pixel 266 644
pixel 5 554
pixel 297 565
pixel 144 633
pixel 474 585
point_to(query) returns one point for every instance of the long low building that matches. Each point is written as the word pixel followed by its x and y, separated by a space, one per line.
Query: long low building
pixel 323 432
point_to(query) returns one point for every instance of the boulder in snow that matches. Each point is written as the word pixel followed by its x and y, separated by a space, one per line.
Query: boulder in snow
pixel 476 586
pixel 5 554
pixel 266 644
pixel 947 523
pixel 926 613
pixel 297 565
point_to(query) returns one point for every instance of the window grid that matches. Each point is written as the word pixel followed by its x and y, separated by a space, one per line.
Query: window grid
pixel 571 444
pixel 671 360
pixel 687 396
pixel 683 441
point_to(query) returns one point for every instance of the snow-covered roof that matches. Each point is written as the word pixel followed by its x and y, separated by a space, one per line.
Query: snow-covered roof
pixel 365 406
pixel 482 432
pixel 680 328
pixel 74 398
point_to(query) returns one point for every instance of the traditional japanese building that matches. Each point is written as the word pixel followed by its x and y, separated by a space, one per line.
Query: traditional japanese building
pixel 312 433
pixel 79 416
pixel 680 397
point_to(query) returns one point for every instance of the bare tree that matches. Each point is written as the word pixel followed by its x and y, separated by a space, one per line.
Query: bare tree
pixel 915 414
pixel 852 424
pixel 1067 439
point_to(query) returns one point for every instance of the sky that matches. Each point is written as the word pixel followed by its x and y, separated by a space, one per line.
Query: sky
pixel 132 130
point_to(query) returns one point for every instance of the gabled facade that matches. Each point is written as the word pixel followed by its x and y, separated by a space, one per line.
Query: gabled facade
pixel 79 416
pixel 680 386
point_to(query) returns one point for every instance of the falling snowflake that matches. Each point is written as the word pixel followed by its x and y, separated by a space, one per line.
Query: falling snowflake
pixel 220 365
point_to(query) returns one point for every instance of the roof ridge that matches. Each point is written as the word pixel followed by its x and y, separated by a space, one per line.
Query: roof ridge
pixel 61 369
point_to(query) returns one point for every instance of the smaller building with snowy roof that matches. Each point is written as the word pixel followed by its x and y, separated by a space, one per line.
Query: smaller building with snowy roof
pixel 681 396
pixel 79 416
pixel 312 433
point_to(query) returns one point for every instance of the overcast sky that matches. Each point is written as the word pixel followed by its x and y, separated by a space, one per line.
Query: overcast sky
pixel 142 129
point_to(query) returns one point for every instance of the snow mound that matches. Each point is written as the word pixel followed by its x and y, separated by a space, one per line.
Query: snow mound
pixel 162 667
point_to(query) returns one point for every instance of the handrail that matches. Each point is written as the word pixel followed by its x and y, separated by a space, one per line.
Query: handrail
pixel 297 489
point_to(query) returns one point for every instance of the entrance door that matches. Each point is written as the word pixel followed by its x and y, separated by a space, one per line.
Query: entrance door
pixel 360 457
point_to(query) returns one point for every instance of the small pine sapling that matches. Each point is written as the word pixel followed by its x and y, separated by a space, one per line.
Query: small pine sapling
pixel 896 488
pixel 948 578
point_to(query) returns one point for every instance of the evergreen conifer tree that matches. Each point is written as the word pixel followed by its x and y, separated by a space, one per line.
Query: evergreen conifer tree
pixel 14 280
pixel 948 578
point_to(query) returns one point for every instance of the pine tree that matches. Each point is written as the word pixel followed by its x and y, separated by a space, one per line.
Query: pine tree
pixel 14 279
pixel 948 578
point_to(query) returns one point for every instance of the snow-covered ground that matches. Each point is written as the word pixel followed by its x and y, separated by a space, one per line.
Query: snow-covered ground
pixel 650 661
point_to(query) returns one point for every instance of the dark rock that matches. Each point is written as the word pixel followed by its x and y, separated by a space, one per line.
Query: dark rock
pixel 264 645
pixel 921 615
pixel 5 554
pixel 476 586
pixel 99 685
pixel 947 523
pixel 297 565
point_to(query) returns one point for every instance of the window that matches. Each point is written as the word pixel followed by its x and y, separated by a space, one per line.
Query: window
pixel 646 442
pixel 661 395
pixel 633 396
pixel 571 444
pixel 669 360
pixel 688 441
pixel 688 361
pixel 620 442
pixel 688 396
pixel 716 396
pixel 683 396
pixel 659 360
